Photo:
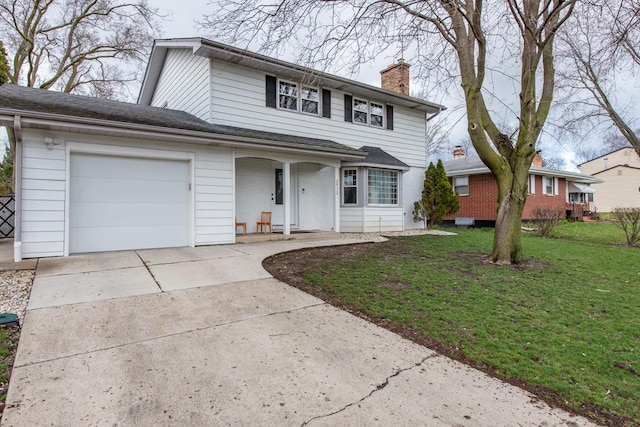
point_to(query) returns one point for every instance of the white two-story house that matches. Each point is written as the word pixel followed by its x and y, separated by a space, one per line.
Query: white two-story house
pixel 219 134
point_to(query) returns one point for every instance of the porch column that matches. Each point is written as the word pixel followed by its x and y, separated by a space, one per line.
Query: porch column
pixel 336 200
pixel 286 198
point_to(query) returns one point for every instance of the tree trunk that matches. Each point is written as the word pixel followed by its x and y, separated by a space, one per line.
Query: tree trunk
pixel 507 244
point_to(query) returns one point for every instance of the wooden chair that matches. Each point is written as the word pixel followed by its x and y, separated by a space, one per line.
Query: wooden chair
pixel 264 223
pixel 242 225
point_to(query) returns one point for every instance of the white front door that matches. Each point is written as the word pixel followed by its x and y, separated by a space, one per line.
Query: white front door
pixel 118 203
pixel 277 198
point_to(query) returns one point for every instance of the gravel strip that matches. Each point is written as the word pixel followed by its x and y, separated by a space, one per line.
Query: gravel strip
pixel 15 287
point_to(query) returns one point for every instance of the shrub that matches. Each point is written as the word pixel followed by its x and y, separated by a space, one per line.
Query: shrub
pixel 628 219
pixel 438 199
pixel 547 217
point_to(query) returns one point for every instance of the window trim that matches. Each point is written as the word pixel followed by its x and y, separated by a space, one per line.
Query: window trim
pixel 397 187
pixel 531 184
pixel 454 186
pixel 344 186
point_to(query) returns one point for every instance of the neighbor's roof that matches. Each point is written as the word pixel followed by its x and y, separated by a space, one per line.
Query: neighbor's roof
pixel 211 49
pixel 616 167
pixel 376 157
pixel 475 166
pixel 30 103
pixel 606 154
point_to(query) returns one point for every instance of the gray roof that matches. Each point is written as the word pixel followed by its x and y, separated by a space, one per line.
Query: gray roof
pixel 378 156
pixel 18 98
pixel 475 166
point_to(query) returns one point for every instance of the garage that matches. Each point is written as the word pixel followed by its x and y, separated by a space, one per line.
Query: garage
pixel 120 203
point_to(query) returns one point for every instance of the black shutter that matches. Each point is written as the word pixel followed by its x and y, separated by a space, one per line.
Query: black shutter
pixel 326 103
pixel 348 108
pixel 271 91
pixel 390 117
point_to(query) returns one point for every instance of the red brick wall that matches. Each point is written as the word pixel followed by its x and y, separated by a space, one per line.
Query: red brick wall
pixel 481 203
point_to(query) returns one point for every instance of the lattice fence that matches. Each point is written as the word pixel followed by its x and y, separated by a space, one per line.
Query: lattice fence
pixel 7 216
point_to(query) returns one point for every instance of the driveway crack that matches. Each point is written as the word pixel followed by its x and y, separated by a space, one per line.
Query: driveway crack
pixel 375 390
pixel 150 272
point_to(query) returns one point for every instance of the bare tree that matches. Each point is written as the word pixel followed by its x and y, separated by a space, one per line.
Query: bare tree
pixel 599 53
pixel 77 46
pixel 449 35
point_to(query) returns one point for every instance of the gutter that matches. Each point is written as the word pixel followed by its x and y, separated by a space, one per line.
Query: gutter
pixel 17 189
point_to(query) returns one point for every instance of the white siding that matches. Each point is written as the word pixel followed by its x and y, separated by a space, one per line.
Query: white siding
pixel 254 188
pixel 370 219
pixel 43 197
pixel 621 188
pixel 238 99
pixel 44 190
pixel 412 185
pixel 351 220
pixel 214 196
pixel 184 83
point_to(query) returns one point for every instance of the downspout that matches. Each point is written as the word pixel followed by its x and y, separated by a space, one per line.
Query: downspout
pixel 17 189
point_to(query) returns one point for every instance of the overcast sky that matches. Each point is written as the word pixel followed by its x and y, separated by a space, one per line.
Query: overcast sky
pixel 181 23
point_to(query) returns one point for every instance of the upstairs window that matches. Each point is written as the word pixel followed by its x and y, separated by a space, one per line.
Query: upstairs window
pixel 461 185
pixel 383 187
pixel 350 187
pixel 295 97
pixel 368 113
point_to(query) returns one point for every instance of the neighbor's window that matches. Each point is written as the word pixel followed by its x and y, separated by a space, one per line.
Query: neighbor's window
pixel 350 187
pixel 461 185
pixel 531 184
pixel 288 95
pixel 383 187
pixel 549 186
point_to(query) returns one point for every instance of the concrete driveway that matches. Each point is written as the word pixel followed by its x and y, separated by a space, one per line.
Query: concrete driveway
pixel 204 337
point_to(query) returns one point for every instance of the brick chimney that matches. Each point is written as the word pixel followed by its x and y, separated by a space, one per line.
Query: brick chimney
pixel 537 161
pixel 396 77
pixel 458 152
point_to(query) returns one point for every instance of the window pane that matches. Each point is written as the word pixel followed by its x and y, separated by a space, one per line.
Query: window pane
pixel 376 109
pixel 309 107
pixel 279 187
pixel 310 93
pixel 350 195
pixel 461 185
pixel 359 117
pixel 376 120
pixel 383 187
pixel 350 187
pixel 360 111
pixel 288 98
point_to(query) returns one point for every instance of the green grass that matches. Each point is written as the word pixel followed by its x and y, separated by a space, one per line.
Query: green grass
pixel 568 322
pixel 606 233
pixel 5 350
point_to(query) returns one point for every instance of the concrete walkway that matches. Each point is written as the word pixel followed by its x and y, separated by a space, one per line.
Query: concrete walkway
pixel 205 336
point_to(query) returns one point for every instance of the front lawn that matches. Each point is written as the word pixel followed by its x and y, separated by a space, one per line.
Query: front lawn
pixel 606 233
pixel 566 325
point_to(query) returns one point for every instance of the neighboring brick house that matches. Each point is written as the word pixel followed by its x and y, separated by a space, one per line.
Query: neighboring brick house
pixel 479 192
pixel 620 172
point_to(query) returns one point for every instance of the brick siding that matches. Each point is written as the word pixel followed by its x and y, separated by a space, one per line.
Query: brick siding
pixel 481 203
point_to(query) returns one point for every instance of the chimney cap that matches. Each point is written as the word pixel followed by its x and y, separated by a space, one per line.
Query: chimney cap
pixel 399 63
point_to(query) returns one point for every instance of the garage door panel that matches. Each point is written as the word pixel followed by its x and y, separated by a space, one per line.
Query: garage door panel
pixel 114 214
pixel 119 203
pixel 123 238
pixel 122 190
pixel 99 166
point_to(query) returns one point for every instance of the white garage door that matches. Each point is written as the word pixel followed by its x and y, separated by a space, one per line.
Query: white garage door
pixel 127 203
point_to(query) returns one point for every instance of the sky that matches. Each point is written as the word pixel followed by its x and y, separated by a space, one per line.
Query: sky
pixel 181 23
